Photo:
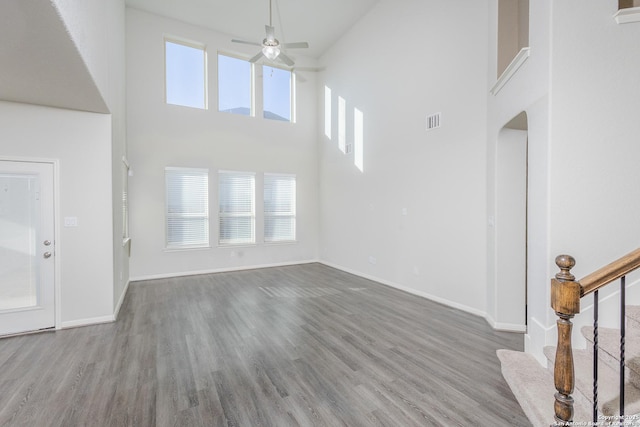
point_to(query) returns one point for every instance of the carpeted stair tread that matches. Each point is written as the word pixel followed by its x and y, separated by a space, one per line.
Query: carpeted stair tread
pixel 609 349
pixel 532 385
pixel 633 317
pixel 608 383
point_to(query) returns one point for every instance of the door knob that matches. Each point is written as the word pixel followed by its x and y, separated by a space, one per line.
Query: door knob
pixel 47 255
pixel 47 243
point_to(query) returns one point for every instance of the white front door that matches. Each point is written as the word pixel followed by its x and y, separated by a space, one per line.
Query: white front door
pixel 27 247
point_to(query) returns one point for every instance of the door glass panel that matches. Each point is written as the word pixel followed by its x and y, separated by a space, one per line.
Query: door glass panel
pixel 19 212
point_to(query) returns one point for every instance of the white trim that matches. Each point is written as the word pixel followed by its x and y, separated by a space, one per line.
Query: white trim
pixel 428 296
pixel 626 16
pixel 220 270
pixel 57 263
pixel 87 322
pixel 511 69
pixel 121 300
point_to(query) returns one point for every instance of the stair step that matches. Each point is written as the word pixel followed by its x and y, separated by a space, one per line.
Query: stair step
pixel 532 385
pixel 608 384
pixel 633 317
pixel 609 350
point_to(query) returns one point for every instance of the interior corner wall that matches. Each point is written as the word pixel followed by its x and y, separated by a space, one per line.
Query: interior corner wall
pixel 161 135
pixel 81 144
pixel 415 217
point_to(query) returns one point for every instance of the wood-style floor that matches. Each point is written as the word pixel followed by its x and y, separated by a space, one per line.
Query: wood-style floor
pixel 292 346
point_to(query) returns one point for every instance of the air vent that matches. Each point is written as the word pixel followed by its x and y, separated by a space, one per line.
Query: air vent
pixel 433 121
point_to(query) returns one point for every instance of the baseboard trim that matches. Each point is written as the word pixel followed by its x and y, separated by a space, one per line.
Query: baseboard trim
pixel 219 270
pixel 86 322
pixel 426 295
pixel 121 300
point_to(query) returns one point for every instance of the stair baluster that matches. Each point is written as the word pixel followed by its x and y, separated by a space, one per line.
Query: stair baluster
pixel 566 293
pixel 595 358
pixel 623 299
pixel 565 301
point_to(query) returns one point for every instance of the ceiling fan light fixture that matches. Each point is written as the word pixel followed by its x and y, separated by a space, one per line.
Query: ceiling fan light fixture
pixel 271 52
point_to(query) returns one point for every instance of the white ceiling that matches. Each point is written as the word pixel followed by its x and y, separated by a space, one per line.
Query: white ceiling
pixel 319 22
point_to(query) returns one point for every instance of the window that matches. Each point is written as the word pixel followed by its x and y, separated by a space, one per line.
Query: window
pixel 358 139
pixel 327 112
pixel 187 207
pixel 125 198
pixel 279 208
pixel 185 74
pixel 236 201
pixel 276 90
pixel 234 86
pixel 342 124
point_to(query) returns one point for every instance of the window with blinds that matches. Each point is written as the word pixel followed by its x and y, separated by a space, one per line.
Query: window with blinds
pixel 236 200
pixel 187 198
pixel 279 208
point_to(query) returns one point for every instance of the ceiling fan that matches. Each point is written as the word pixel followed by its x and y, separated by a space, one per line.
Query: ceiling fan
pixel 271 47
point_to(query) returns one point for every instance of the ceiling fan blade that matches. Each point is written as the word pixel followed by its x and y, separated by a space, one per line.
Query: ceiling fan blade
pixel 296 45
pixel 271 33
pixel 284 58
pixel 257 57
pixel 246 42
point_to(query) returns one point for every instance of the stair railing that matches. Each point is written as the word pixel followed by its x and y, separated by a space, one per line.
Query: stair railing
pixel 566 293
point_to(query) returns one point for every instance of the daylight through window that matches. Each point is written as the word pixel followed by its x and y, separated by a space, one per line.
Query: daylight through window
pixel 187 207
pixel 236 200
pixel 277 91
pixel 235 94
pixel 185 74
pixel 279 208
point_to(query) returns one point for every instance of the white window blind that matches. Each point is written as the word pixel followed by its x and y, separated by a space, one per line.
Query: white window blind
pixel 279 208
pixel 236 199
pixel 187 207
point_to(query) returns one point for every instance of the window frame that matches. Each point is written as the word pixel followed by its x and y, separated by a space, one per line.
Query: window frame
pixel 292 93
pixel 252 84
pixel 204 216
pixel 194 45
pixel 248 214
pixel 292 214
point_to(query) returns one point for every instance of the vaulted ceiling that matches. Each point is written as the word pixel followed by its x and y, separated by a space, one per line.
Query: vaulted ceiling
pixel 319 22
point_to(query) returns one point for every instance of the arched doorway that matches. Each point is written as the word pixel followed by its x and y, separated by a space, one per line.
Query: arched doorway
pixel 511 223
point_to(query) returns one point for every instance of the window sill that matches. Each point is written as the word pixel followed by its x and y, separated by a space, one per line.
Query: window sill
pixel 626 16
pixel 186 248
pixel 511 70
pixel 281 243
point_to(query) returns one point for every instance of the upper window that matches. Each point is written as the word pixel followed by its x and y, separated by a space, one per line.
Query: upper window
pixel 187 197
pixel 185 73
pixel 236 200
pixel 234 86
pixel 277 93
pixel 279 208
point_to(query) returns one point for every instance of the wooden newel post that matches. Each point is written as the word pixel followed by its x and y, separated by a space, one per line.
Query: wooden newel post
pixel 565 301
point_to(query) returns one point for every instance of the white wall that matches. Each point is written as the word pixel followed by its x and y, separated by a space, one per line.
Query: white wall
pixel 97 28
pixel 81 144
pixel 161 135
pixel 594 173
pixel 402 61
